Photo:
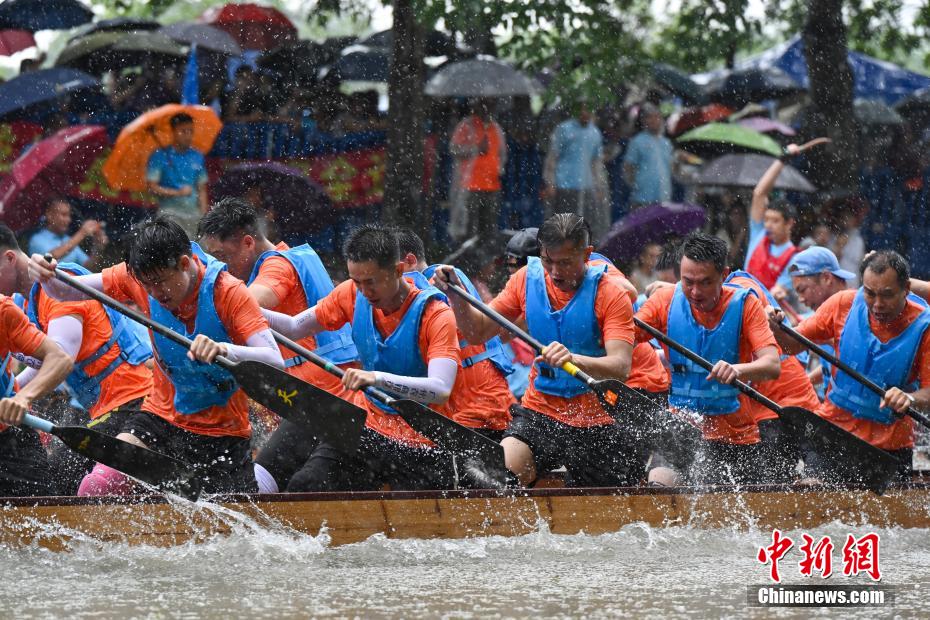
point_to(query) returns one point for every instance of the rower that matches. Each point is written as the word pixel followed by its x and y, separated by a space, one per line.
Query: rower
pixel 288 280
pixel 770 225
pixel 520 247
pixel 570 305
pixel 407 344
pixel 195 412
pixel 24 466
pixel 792 388
pixel 728 326
pixel 883 334
pixel 480 398
pixel 110 376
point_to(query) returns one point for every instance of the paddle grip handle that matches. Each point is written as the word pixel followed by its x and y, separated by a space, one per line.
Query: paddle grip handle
pixel 855 374
pixel 327 365
pixel 510 326
pixel 125 310
pixel 40 424
pixel 706 365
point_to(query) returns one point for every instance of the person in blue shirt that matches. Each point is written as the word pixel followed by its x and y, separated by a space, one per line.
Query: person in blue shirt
pixel 574 168
pixel 55 239
pixel 648 161
pixel 177 175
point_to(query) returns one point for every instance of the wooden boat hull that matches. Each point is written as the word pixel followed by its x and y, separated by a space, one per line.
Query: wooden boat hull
pixel 352 517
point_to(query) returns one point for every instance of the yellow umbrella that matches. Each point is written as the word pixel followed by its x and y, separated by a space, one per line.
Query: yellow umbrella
pixel 125 168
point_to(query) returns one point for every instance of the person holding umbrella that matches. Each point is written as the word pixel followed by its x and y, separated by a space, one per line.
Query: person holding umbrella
pixel 54 238
pixel 177 175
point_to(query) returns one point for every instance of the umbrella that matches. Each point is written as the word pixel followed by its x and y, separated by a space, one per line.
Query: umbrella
pixel 746 170
pixel 362 64
pixel 766 125
pixel 253 26
pixel 12 41
pixel 40 87
pixel 480 77
pixel 653 223
pixel 437 43
pixel 35 15
pixel 721 138
pixel 689 118
pixel 872 112
pixel 742 86
pixel 89 53
pixel 206 37
pixel 148 42
pixel 117 24
pixel 50 168
pixel 917 101
pixel 299 204
pixel 298 61
pixel 125 168
pixel 113 49
pixel 678 83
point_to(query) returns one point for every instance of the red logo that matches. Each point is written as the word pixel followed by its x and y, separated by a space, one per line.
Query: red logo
pixel 860 555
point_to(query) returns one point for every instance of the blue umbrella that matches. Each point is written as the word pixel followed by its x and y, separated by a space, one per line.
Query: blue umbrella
pixel 362 64
pixel 42 86
pixel 35 15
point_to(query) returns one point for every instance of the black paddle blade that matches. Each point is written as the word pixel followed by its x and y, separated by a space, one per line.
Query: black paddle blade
pixel 843 451
pixel 157 469
pixel 329 418
pixel 482 458
pixel 622 403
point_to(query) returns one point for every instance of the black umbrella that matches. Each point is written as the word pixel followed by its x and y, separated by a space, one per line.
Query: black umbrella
pixel 742 86
pixel 437 43
pixel 205 36
pixel 35 15
pixel 746 170
pixel 117 24
pixel 678 83
pixel 362 64
pixel 298 61
pixel 42 86
pixel 480 77
pixel 872 112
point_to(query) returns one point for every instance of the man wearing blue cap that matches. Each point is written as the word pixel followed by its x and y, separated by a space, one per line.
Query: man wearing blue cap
pixel 816 276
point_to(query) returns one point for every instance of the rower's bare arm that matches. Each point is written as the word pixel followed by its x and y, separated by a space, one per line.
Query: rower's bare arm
pixel 265 297
pixel 921 288
pixel 56 365
pixel 44 271
pixel 475 326
pixel 788 344
pixel 765 367
pixel 294 327
pixel 615 365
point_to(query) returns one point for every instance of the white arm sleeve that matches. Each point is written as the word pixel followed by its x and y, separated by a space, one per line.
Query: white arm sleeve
pixel 260 347
pixel 294 327
pixel 68 333
pixel 56 289
pixel 434 388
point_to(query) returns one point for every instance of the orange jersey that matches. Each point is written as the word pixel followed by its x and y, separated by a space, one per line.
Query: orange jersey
pixel 792 388
pixel 480 397
pixel 826 325
pixel 740 426
pixel 17 335
pixel 436 340
pixel 242 319
pixel 127 382
pixel 278 274
pixel 614 314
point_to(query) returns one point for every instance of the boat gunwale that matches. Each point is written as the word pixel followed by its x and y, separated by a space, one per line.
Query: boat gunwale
pixel 448 494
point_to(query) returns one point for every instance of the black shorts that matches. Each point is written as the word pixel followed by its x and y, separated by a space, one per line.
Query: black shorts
pixel 780 451
pixel 24 469
pixel 595 456
pixel 833 469
pixel 286 451
pixel 69 466
pixel 377 461
pixel 716 462
pixel 224 463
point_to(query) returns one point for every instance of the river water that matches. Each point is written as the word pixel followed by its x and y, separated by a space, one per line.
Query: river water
pixel 273 572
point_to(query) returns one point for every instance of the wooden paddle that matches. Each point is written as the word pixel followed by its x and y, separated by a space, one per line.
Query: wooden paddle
pixel 610 392
pixel 483 457
pixel 876 466
pixel 855 374
pixel 328 417
pixel 159 470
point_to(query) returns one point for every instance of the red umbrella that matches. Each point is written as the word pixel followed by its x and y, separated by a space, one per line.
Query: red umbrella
pixel 50 168
pixel 12 41
pixel 689 118
pixel 254 26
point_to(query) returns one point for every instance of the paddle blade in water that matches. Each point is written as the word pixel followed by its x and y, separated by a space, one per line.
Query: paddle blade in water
pixel 157 469
pixel 327 417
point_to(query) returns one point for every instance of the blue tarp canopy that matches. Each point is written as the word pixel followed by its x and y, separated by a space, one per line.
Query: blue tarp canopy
pixel 873 78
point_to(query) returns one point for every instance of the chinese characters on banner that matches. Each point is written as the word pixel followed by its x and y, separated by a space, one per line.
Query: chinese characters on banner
pixel 859 555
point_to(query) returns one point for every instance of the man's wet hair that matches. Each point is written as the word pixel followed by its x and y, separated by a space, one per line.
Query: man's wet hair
pixel 228 218
pixel 703 248
pixel 181 118
pixel 409 242
pixel 670 258
pixel 784 207
pixel 372 242
pixel 8 239
pixel 883 260
pixel 564 228
pixel 157 244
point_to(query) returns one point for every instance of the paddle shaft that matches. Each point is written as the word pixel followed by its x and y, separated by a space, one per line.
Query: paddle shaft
pixel 135 315
pixel 855 374
pixel 706 365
